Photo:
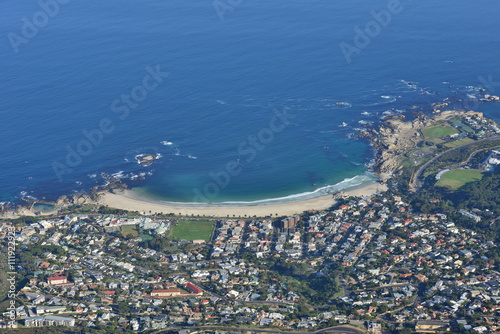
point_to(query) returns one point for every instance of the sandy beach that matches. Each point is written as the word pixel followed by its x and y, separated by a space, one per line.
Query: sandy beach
pixel 129 200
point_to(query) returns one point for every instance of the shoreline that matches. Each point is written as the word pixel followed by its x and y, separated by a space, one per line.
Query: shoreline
pixel 131 201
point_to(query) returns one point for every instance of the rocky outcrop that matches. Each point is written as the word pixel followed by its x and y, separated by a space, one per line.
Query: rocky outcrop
pixel 146 159
pixel 394 137
pixel 491 98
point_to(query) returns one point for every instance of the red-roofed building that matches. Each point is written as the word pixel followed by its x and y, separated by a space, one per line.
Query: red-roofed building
pixel 196 290
pixel 57 280
pixel 44 265
pixel 165 293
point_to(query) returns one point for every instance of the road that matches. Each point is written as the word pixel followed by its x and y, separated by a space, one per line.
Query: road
pixel 335 329
pixel 415 183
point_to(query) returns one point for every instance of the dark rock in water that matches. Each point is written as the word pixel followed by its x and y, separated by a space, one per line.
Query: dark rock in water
pixel 146 159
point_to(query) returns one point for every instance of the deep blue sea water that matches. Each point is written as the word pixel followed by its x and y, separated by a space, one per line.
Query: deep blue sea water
pixel 228 79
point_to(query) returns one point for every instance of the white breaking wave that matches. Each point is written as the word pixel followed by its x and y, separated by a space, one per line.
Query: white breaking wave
pixel 389 98
pixel 348 183
pixel 326 190
pixel 388 113
pixel 118 175
pixel 166 143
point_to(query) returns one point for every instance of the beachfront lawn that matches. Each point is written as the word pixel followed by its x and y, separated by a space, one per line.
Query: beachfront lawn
pixel 193 230
pixel 455 179
pixel 130 230
pixel 439 131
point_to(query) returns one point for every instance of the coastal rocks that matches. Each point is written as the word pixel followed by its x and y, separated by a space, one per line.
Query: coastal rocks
pixel 491 98
pixel 396 136
pixel 79 199
pixel 146 159
pixel 4 207
pixel 438 106
pixel 63 201
pixel 392 139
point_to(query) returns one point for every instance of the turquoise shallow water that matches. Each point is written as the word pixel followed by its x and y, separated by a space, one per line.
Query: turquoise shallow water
pixel 227 80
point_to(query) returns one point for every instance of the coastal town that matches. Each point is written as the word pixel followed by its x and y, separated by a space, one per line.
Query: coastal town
pixel 393 266
pixel 390 262
pixel 250 167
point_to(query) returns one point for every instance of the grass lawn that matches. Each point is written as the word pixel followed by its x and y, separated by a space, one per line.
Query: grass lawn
pixel 144 236
pixel 439 131
pixel 130 230
pixel 454 179
pixel 339 293
pixel 193 230
pixel 459 142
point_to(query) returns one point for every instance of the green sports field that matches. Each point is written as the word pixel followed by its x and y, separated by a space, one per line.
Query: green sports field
pixel 130 230
pixel 455 179
pixel 439 131
pixel 459 142
pixel 193 230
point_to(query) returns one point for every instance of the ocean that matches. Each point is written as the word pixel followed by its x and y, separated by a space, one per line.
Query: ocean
pixel 242 100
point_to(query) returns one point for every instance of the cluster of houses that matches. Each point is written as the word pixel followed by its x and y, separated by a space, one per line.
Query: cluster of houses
pixel 480 125
pixel 491 161
pixel 398 266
